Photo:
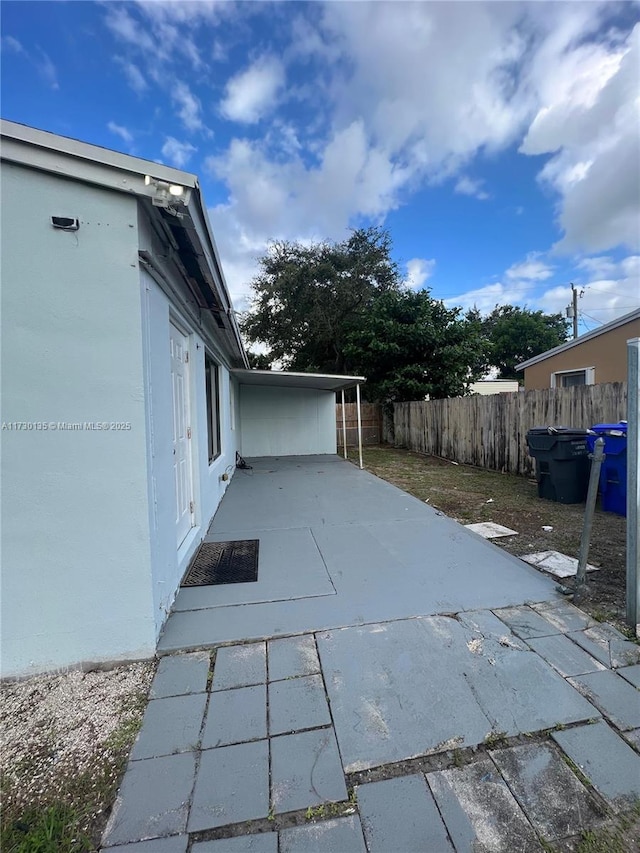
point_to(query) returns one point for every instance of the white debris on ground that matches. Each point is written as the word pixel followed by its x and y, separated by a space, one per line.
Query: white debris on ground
pixel 555 563
pixel 57 730
pixel 490 530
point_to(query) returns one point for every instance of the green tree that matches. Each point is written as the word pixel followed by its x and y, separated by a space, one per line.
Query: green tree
pixel 307 299
pixel 517 334
pixel 410 345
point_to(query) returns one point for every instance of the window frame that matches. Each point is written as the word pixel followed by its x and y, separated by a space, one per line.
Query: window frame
pixel 213 407
pixel 589 376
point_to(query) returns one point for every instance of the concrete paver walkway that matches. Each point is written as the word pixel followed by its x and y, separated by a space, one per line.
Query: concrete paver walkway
pixel 499 727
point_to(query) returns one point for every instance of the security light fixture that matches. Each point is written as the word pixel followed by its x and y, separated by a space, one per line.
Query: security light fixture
pixel 166 193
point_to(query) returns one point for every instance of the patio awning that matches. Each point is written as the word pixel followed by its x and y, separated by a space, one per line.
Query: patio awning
pixel 311 381
pixel 287 379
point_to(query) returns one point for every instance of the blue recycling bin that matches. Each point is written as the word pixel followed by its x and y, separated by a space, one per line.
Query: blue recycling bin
pixel 613 474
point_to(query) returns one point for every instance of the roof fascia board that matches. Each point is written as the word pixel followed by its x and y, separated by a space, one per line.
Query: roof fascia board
pixel 24 145
pixel 588 336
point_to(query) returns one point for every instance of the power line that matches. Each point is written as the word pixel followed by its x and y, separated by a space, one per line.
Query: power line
pixel 584 314
pixel 615 308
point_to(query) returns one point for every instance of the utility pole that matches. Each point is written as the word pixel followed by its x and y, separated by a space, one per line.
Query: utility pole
pixel 574 294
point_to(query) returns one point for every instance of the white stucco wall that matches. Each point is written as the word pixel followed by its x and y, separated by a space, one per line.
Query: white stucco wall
pixel 286 421
pixel 168 562
pixel 76 560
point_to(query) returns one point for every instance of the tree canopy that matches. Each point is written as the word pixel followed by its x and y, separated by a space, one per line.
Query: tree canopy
pixel 343 308
pixel 517 334
pixel 308 298
pixel 411 345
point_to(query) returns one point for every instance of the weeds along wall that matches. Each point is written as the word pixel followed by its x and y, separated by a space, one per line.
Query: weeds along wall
pixel 490 431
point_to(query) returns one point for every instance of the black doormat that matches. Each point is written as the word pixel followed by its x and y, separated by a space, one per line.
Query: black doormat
pixel 224 562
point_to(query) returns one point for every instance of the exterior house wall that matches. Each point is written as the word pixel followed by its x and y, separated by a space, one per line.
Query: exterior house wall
pixel 75 551
pixel 287 421
pixel 169 562
pixel 494 386
pixel 607 353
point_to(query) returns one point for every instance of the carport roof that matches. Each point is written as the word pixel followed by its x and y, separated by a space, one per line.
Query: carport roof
pixel 286 379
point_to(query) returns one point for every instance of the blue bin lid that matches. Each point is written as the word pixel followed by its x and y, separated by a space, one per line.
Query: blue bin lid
pixel 611 429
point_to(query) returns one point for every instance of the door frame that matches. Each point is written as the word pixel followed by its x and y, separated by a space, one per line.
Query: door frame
pixel 184 330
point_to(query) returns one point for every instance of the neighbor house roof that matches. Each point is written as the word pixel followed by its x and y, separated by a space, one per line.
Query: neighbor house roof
pixel 594 333
pixel 287 379
pixel 184 215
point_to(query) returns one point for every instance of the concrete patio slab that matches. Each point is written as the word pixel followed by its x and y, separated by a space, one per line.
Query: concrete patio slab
pixel 240 666
pixel 232 786
pixel 292 656
pixel 633 738
pixel 153 799
pixel 490 530
pixel 261 842
pixel 631 674
pixel 605 759
pixel 180 674
pixel 420 685
pixel 305 771
pixel 555 801
pixel 526 622
pixel 400 814
pixel 486 625
pixel 296 704
pixel 394 692
pixel 479 810
pixel 329 836
pixel 170 725
pixel 564 655
pixel 289 566
pixel 564 616
pixel 608 645
pixel 387 554
pixel 174 844
pixel 236 716
pixel 618 700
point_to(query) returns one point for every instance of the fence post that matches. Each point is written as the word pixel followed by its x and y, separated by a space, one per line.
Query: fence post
pixel 633 483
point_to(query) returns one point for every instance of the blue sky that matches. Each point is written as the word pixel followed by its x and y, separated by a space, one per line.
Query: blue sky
pixel 498 142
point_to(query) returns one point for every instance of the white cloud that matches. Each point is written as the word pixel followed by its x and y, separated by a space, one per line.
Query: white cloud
pixel 120 131
pixel 468 186
pixel 177 153
pixel 253 93
pixel 531 269
pixel 589 123
pixel 12 44
pixel 188 106
pixel 419 270
pixel 486 298
pixel 135 77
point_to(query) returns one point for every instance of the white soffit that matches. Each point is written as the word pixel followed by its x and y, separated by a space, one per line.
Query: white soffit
pixel 286 379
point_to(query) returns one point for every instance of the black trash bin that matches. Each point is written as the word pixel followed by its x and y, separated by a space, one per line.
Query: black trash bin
pixel 562 463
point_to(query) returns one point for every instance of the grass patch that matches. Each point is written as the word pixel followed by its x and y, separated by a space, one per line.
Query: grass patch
pixel 620 836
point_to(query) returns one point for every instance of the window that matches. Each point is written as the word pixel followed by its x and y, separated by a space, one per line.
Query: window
pixel 571 378
pixel 212 379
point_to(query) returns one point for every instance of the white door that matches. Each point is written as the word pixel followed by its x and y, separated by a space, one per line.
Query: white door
pixel 181 433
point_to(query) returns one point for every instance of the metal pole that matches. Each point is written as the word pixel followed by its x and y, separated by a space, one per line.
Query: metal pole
pixel 574 293
pixel 633 484
pixel 344 428
pixel 592 494
pixel 359 427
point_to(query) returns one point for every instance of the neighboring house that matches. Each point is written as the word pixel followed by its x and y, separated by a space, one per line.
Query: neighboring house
pixel 126 394
pixel 595 357
pixel 494 386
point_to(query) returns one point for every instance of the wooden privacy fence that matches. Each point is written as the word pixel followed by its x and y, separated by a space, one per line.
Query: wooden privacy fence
pixel 490 431
pixel 371 416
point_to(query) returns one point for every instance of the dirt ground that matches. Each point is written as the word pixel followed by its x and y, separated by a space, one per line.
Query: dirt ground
pixel 472 494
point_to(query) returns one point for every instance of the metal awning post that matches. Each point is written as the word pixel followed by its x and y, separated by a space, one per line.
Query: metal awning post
pixel 344 428
pixel 633 484
pixel 359 426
